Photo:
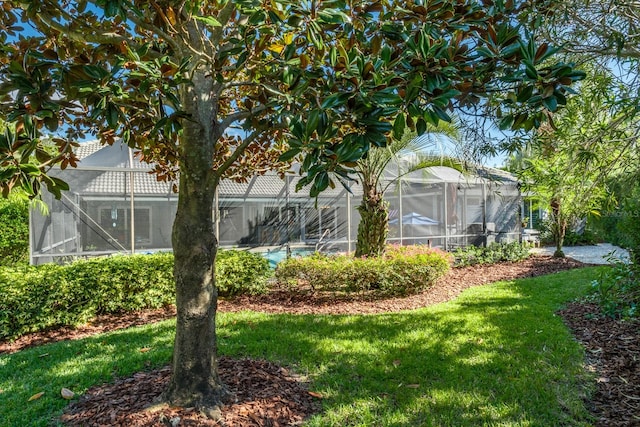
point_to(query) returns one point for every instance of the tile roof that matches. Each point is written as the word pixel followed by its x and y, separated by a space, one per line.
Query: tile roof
pixel 106 170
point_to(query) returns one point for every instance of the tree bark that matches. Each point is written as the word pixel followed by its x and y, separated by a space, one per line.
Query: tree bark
pixel 195 381
pixel 374 223
pixel 559 227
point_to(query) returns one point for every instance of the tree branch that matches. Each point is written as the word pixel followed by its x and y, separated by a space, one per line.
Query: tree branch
pixel 155 30
pixel 223 18
pixel 235 155
pixel 101 38
pixel 241 115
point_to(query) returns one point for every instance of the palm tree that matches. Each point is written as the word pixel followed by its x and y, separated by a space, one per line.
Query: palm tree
pixel 409 154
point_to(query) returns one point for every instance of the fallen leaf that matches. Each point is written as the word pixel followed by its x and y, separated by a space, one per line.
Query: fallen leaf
pixel 44 355
pixel 314 394
pixel 396 363
pixel 413 385
pixel 66 393
pixel 36 396
pixel 145 349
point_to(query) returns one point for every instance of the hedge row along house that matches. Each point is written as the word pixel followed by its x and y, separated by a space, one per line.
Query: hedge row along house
pixel 115 205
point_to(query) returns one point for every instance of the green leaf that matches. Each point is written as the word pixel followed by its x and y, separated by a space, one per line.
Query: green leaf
pixel 95 72
pixel 386 97
pixel 551 103
pixel 113 115
pixel 319 184
pixel 333 56
pixel 506 122
pixel 258 17
pixel 208 20
pixel 441 114
pixel 385 54
pixel 289 155
pixel 530 70
pixel 399 125
pixel 421 126
pixel 335 100
pixel 525 93
pixel 312 122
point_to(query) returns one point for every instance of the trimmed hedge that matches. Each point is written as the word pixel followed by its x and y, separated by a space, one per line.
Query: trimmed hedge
pixel 241 272
pixel 14 231
pixel 401 271
pixel 38 298
pixel 495 252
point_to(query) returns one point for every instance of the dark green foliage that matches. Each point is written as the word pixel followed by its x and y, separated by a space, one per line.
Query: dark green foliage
pixel 14 231
pixel 241 272
pixel 38 298
pixel 495 252
pixel 573 238
pixel 400 271
pixel 618 289
pixel 629 226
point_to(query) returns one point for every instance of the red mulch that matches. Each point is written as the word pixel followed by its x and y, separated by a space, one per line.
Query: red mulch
pixel 267 395
pixel 613 354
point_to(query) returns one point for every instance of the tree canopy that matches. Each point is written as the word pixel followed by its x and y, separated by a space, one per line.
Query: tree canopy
pixel 215 89
pixel 568 166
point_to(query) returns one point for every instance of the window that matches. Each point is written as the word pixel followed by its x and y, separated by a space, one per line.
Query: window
pixel 116 223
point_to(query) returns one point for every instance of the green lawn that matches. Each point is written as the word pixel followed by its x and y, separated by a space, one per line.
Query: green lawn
pixel 497 355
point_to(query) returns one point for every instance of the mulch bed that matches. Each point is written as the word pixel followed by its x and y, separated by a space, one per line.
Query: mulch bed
pixel 265 394
pixel 612 352
pixel 268 395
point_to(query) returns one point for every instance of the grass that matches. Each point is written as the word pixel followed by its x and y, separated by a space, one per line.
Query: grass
pixel 497 355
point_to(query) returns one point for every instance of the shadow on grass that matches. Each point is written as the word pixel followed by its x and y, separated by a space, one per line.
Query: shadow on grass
pixel 496 355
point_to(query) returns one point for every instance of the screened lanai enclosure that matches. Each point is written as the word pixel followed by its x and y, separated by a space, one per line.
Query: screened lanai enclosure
pixel 115 205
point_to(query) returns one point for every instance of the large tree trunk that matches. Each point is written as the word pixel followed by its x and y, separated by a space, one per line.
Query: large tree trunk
pixel 195 380
pixel 374 223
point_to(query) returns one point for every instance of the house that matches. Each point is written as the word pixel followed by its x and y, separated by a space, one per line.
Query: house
pixel 115 205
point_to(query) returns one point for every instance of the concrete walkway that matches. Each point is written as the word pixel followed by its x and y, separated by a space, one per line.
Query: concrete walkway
pixel 595 254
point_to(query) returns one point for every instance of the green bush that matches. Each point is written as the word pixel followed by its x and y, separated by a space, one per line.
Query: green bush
pixel 629 226
pixel 241 272
pixel 399 272
pixel 572 238
pixel 14 231
pixel 618 289
pixel 39 298
pixel 495 252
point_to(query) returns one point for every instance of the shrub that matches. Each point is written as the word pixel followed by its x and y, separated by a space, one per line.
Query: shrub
pixel 241 272
pixel 38 298
pixel 617 290
pixel 14 231
pixel 629 226
pixel 399 272
pixel 495 252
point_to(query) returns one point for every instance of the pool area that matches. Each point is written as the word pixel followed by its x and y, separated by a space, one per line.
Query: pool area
pixel 277 255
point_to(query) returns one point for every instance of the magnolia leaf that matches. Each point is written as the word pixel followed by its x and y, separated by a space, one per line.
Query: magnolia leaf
pixel 412 385
pixel 36 396
pixel 208 20
pixel 276 47
pixel 66 393
pixel 314 394
pixel 399 126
